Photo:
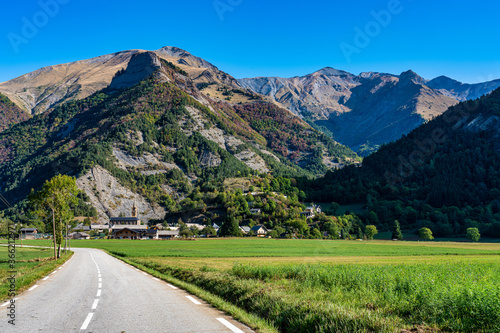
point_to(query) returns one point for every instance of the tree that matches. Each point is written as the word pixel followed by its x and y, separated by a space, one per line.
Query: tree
pixel 299 225
pixel 473 234
pixel 359 233
pixel 230 227
pixel 396 231
pixel 425 234
pixel 315 233
pixel 333 207
pixel 209 231
pixel 184 230
pixel 370 231
pixel 53 201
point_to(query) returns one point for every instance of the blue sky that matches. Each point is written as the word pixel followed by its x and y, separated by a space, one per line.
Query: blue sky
pixel 248 38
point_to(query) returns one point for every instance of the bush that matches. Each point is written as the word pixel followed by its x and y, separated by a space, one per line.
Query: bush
pixel 473 234
pixel 425 234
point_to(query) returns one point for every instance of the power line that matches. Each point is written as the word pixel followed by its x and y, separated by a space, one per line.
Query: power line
pixel 5 201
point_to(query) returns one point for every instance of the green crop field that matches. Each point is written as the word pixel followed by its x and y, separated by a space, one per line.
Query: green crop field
pixel 30 265
pixel 335 286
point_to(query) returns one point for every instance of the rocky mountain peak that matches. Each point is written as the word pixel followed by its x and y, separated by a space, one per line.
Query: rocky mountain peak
pixel 444 82
pixel 184 57
pixel 140 66
pixel 412 76
pixel 329 71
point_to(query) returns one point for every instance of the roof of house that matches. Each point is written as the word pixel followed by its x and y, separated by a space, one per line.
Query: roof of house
pixel 130 227
pixel 124 219
pixel 168 232
pixel 28 229
pixel 81 226
pixel 99 226
pixel 258 227
pixel 245 228
pixel 79 233
pixel 196 225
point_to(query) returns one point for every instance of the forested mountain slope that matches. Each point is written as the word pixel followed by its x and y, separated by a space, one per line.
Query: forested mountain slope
pixel 444 175
pixel 10 113
pixel 152 137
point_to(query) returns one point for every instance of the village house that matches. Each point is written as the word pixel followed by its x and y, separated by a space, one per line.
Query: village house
pixel 245 230
pixel 79 235
pixel 260 230
pixel 198 226
pixel 101 228
pixel 168 234
pixel 311 211
pixel 133 232
pixel 255 211
pixel 29 233
pixel 81 227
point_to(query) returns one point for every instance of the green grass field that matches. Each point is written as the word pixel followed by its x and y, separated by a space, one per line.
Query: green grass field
pixel 30 265
pixel 335 286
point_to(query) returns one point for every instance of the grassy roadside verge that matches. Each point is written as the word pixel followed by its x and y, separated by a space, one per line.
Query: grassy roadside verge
pixel 251 320
pixel 31 265
pixel 456 297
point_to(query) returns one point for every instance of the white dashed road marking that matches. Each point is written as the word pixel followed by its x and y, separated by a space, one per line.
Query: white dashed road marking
pixel 229 325
pixel 33 287
pixel 192 299
pixel 96 301
pixel 171 286
pixel 87 321
pixel 94 306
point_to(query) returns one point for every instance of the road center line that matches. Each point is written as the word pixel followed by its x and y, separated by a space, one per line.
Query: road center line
pixel 33 287
pixel 100 286
pixel 94 306
pixel 229 325
pixel 87 321
pixel 192 299
pixel 171 286
pixel 98 292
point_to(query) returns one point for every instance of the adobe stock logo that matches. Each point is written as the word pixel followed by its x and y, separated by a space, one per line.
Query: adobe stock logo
pixel 372 29
pixel 224 6
pixel 30 27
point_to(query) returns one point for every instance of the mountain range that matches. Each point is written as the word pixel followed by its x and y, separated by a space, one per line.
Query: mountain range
pixel 364 111
pixel 151 136
pixel 360 111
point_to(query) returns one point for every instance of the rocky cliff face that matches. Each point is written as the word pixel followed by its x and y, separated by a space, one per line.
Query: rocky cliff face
pixel 111 199
pixel 140 66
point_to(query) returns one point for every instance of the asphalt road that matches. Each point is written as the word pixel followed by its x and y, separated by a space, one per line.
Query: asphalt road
pixel 94 292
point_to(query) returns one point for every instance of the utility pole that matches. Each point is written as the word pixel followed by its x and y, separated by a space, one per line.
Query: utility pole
pixel 66 241
pixel 54 232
